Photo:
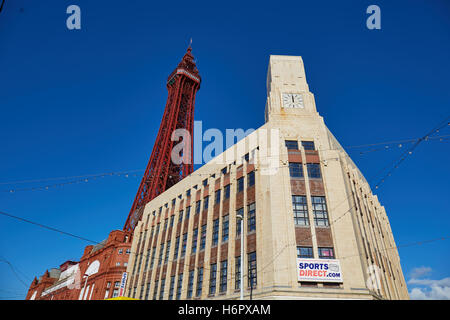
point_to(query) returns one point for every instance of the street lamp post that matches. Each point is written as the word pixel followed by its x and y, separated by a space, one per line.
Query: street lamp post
pixel 241 218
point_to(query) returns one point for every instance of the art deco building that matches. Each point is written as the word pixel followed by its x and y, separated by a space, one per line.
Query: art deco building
pixel 312 227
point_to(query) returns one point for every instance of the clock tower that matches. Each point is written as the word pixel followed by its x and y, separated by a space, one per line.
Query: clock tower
pixel 288 91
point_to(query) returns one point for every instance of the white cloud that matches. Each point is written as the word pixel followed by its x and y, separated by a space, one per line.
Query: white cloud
pixel 428 289
pixel 419 272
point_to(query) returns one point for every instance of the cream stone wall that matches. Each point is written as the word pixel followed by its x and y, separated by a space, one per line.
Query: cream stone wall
pixel 361 235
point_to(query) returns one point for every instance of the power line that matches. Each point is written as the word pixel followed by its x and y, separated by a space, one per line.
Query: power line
pixel 47 227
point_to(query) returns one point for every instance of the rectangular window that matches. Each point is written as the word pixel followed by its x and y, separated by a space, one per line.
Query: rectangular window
pixel 320 211
pixel 237 275
pixel 217 197
pixel 212 279
pixel 225 228
pixel 120 251
pixel 166 259
pixel 305 252
pixel 161 291
pixel 188 193
pixel 227 191
pixel 300 210
pixel 224 170
pixel 238 222
pixel 161 254
pixel 116 284
pixel 326 253
pixel 194 241
pixel 190 284
pixel 147 291
pixel 291 144
pixel 295 170
pixel 246 157
pixel 172 287
pixel 203 237
pixel 308 145
pixel 153 257
pixel 313 170
pixel 108 285
pixel 155 291
pixel 177 246
pixel 115 293
pixel 188 212
pixel 180 216
pixel 205 182
pixel 171 221
pixel 223 276
pixel 252 276
pixel 179 286
pixel 240 184
pixel 183 247
pixel 215 235
pixel 198 206
pixel 251 179
pixel 205 203
pixel 251 217
pixel 198 292
pixel 165 224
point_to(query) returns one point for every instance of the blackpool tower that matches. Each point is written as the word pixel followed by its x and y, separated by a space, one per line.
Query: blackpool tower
pixel 161 172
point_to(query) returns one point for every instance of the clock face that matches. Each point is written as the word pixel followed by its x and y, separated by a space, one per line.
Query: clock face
pixel 292 100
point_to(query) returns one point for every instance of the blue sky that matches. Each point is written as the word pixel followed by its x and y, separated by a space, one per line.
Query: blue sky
pixel 90 101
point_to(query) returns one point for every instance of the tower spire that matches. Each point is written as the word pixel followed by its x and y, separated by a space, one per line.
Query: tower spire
pixel 162 173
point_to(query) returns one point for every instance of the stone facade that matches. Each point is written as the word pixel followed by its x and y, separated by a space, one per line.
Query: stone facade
pixel 256 178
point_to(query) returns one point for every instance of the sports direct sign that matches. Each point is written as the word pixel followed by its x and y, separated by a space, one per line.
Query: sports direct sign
pixel 319 270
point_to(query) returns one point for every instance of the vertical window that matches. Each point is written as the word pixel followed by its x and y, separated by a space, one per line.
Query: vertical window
pixel 313 170
pixel 224 170
pixel 188 193
pixel 326 253
pixel 251 179
pixel 153 257
pixel 295 170
pixel 180 216
pixel 308 145
pixel 167 252
pixel 223 276
pixel 238 222
pixel 155 291
pixel 225 227
pixel 198 293
pixel 217 197
pixel 180 284
pixel 205 182
pixel 320 211
pixel 173 202
pixel 177 246
pixel 161 291
pixel 215 235
pixel 188 212
pixel 116 284
pixel 227 191
pixel 183 247
pixel 252 277
pixel 194 241
pixel 251 218
pixel 212 279
pixel 300 210
pixel 147 259
pixel 305 252
pixel 190 284
pixel 205 203
pixel 197 207
pixel 203 237
pixel 120 251
pixel 246 157
pixel 161 252
pixel 147 291
pixel 165 224
pixel 240 184
pixel 291 144
pixel 172 287
pixel 237 275
pixel 115 293
pixel 171 221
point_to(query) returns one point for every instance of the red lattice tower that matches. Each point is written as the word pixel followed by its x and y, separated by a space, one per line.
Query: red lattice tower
pixel 162 173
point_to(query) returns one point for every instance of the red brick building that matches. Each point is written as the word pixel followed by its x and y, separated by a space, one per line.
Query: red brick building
pixel 96 276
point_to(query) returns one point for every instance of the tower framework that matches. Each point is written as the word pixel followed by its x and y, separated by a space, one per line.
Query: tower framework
pixel 161 172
